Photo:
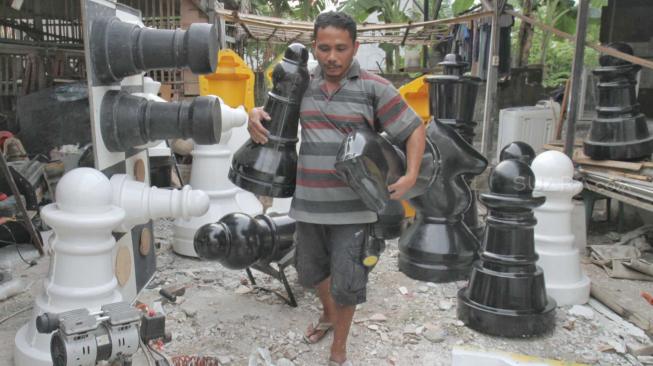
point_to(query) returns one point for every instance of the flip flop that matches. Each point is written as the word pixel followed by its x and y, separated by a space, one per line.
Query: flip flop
pixel 323 327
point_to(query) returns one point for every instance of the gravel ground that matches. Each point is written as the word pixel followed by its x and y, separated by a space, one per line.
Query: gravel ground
pixel 404 322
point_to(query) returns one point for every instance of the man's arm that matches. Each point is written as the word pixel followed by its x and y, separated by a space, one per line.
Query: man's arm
pixel 414 152
pixel 257 132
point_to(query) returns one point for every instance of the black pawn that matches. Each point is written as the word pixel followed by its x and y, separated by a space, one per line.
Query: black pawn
pixel 619 131
pixel 518 150
pixel 438 246
pixel 506 295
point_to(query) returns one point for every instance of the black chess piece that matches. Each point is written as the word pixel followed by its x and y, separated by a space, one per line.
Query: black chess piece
pixel 506 295
pixel 452 97
pixel 438 246
pixel 127 120
pixel 238 240
pixel 518 150
pixel 270 169
pixel 619 131
pixel 368 162
pixel 122 49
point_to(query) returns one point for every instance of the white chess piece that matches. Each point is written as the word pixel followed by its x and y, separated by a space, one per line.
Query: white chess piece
pixel 554 238
pixel 209 173
pixel 89 207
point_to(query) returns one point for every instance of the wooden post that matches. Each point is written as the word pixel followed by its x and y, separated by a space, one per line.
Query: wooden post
pixel 490 110
pixel 425 48
pixel 576 73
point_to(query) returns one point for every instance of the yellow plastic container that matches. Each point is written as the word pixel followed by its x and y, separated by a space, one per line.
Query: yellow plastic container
pixel 409 211
pixel 416 94
pixel 233 81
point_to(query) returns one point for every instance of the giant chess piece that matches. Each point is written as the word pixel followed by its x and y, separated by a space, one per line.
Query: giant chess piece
pixel 452 98
pixel 122 49
pixel 89 207
pixel 239 240
pixel 128 120
pixel 518 150
pixel 438 246
pixel 554 238
pixel 506 293
pixel 209 174
pixel 619 131
pixel 270 169
pixel 368 162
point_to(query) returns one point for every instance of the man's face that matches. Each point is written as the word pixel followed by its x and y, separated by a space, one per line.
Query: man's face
pixel 334 51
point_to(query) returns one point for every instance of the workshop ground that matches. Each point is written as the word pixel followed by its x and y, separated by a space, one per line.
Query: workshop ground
pixel 404 322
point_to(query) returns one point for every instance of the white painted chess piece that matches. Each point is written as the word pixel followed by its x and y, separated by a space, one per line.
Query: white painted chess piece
pixel 554 238
pixel 209 173
pixel 89 208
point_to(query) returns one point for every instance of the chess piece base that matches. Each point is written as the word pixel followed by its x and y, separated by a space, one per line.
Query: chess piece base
pixel 435 250
pixel 502 322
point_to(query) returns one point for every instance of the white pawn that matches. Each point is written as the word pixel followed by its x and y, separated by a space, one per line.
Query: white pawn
pixel 209 173
pixel 554 238
pixel 81 275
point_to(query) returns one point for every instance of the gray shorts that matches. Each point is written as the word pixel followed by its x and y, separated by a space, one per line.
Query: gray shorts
pixel 336 251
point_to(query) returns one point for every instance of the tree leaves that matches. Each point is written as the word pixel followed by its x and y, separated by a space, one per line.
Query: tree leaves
pixel 460 6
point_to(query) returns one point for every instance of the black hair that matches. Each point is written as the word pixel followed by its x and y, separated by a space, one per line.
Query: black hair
pixel 336 19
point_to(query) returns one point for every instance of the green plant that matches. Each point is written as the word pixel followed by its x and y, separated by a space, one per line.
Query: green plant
pixel 389 11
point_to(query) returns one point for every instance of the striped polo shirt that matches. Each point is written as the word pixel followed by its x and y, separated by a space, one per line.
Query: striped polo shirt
pixel 362 101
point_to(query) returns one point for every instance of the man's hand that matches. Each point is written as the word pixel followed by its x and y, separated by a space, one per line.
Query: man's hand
pixel 257 132
pixel 401 186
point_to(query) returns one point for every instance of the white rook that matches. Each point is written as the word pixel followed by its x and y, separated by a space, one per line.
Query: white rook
pixel 89 207
pixel 554 238
pixel 209 173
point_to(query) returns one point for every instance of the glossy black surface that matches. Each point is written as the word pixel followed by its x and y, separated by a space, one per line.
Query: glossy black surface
pixel 506 295
pixel 270 169
pixel 120 49
pixel 438 246
pixel 518 150
pixel 127 120
pixel 452 100
pixel 369 163
pixel 391 221
pixel 620 131
pixel 238 240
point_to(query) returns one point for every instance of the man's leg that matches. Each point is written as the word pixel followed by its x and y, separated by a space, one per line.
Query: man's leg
pixel 348 282
pixel 340 315
pixel 328 309
pixel 312 261
pixel 341 324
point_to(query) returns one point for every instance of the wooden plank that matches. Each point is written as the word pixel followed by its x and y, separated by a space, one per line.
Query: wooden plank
pixel 569 37
pixel 612 302
pixel 617 173
pixel 563 107
pixel 272 22
pixel 625 165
